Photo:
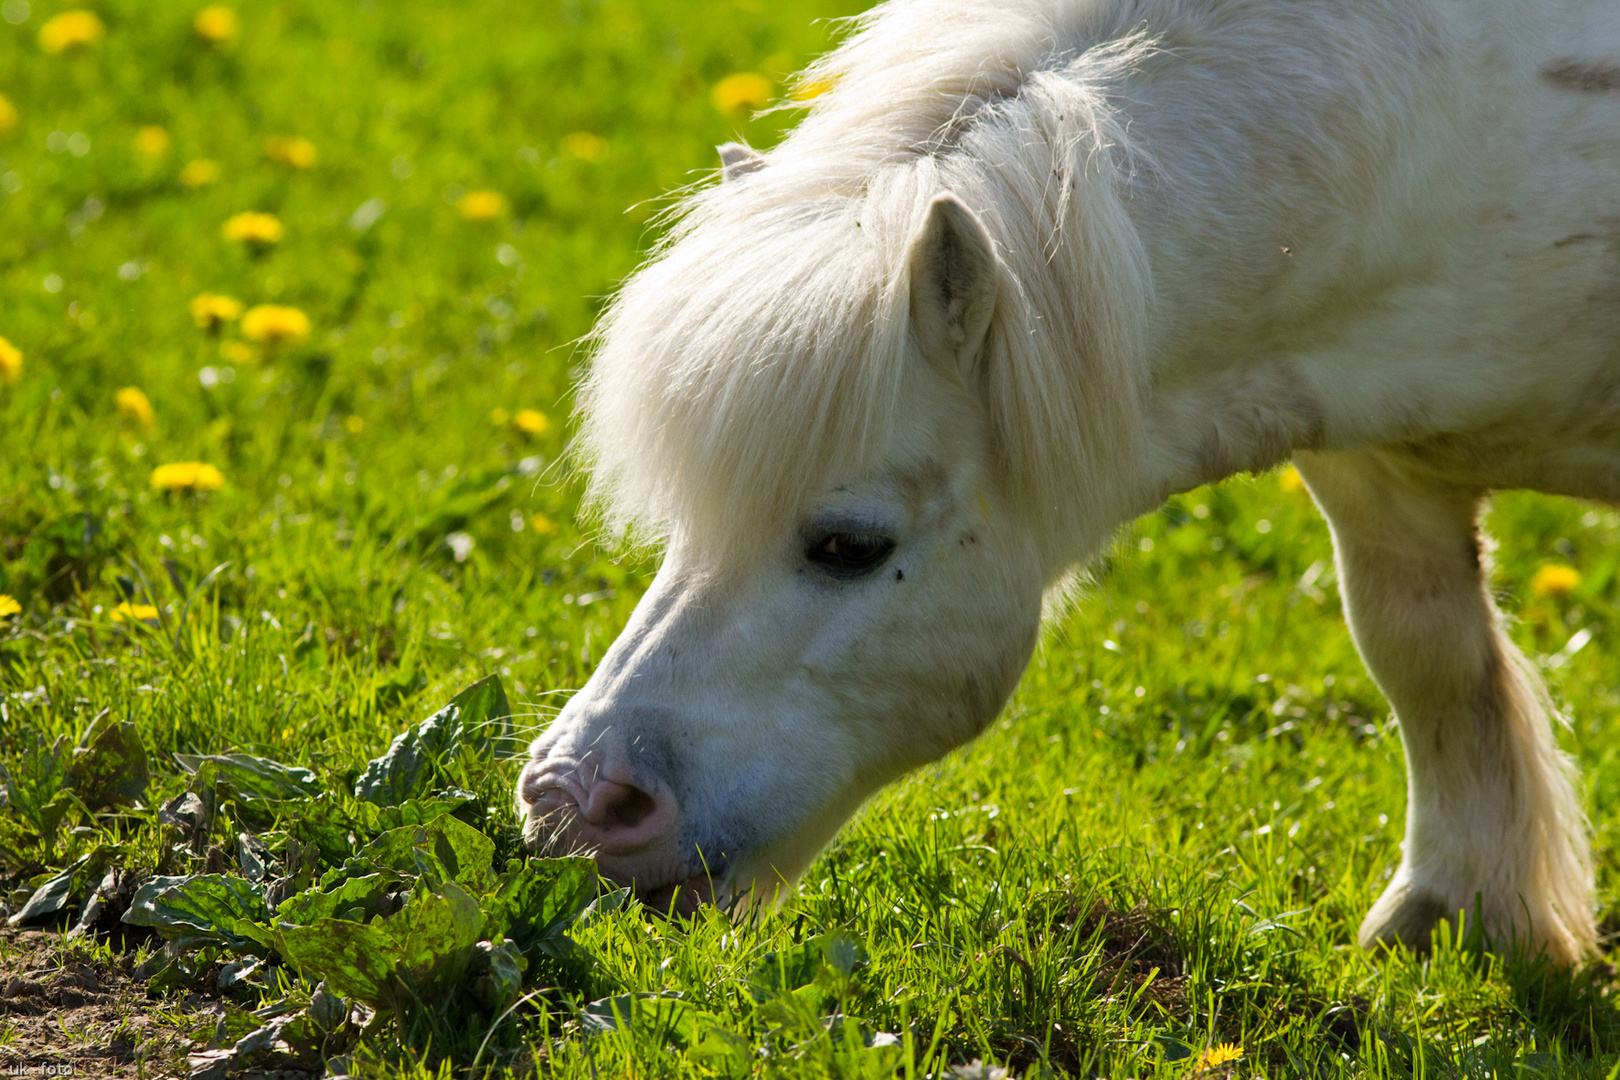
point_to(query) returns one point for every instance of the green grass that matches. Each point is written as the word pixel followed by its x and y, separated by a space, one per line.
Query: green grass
pixel 1167 841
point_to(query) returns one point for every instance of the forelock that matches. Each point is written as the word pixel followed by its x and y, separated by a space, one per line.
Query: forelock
pixel 757 357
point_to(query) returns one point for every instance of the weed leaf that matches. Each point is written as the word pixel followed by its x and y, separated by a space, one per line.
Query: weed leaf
pixel 538 899
pixel 252 777
pixel 205 909
pixel 355 899
pixel 475 719
pixel 378 819
pixel 53 896
pixel 393 962
pixel 34 780
pixel 445 847
pixel 67 889
pixel 109 767
pixel 499 974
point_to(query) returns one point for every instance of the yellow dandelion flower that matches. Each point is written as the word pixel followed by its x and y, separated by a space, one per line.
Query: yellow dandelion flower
pixel 8 116
pixel 531 421
pixel 174 476
pixel 237 353
pixel 211 309
pixel 290 150
pixel 134 406
pixel 187 476
pixel 482 205
pixel 11 362
pixel 127 612
pixel 152 141
pixel 1290 480
pixel 354 425
pixel 254 228
pixel 1216 1056
pixel 274 323
pixel 199 173
pixel 216 24
pixel 586 147
pixel 543 525
pixel 745 90
pixel 499 416
pixel 9 606
pixel 69 30
pixel 1554 579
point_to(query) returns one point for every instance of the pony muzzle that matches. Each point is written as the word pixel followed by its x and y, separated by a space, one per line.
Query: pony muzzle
pixel 590 810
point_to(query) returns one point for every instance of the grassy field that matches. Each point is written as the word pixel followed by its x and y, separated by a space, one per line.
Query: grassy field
pixel 292 520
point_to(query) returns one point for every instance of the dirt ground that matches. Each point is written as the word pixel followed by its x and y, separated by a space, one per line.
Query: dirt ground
pixel 65 1013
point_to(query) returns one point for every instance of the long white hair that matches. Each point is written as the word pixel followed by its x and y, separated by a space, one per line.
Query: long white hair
pixel 759 353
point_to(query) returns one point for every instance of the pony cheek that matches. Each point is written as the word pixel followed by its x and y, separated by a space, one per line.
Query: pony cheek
pixel 968 662
pixel 773 815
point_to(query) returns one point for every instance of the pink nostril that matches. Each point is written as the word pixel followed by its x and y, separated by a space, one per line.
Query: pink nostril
pixel 581 808
pixel 617 807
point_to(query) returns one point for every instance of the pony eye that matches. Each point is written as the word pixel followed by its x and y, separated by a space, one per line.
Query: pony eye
pixel 850 555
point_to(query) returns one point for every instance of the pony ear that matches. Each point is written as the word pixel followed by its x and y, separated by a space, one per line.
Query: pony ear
pixel 737 160
pixel 953 284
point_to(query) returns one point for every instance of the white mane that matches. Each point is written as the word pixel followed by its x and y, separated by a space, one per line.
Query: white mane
pixel 758 353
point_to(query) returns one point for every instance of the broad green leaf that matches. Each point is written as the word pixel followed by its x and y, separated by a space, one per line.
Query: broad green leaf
pixel 232 1026
pixel 205 908
pixel 250 853
pixel 842 953
pixel 452 848
pixel 181 973
pixel 819 967
pixel 326 1010
pixel 604 905
pixel 110 767
pixel 53 896
pixel 365 893
pixel 497 974
pixel 34 779
pixel 437 930
pixel 255 777
pixel 66 889
pixel 726 1051
pixel 475 719
pixel 356 959
pixel 239 972
pixel 319 821
pixel 17 838
pixel 418 953
pixel 378 819
pixel 540 898
pixel 285 1043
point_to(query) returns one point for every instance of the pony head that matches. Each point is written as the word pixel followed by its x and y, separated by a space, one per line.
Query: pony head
pixel 841 395
pixel 846 592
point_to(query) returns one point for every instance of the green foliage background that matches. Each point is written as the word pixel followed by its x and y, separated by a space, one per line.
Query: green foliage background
pixel 1196 742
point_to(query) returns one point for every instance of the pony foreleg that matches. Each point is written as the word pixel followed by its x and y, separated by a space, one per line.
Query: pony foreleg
pixel 1493 824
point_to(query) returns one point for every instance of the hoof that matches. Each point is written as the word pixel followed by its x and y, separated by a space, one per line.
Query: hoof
pixel 1405 915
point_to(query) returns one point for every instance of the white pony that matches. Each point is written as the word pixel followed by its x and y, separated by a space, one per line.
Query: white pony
pixel 1028 268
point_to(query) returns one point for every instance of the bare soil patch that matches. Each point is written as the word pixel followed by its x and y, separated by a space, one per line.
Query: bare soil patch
pixel 64 1012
